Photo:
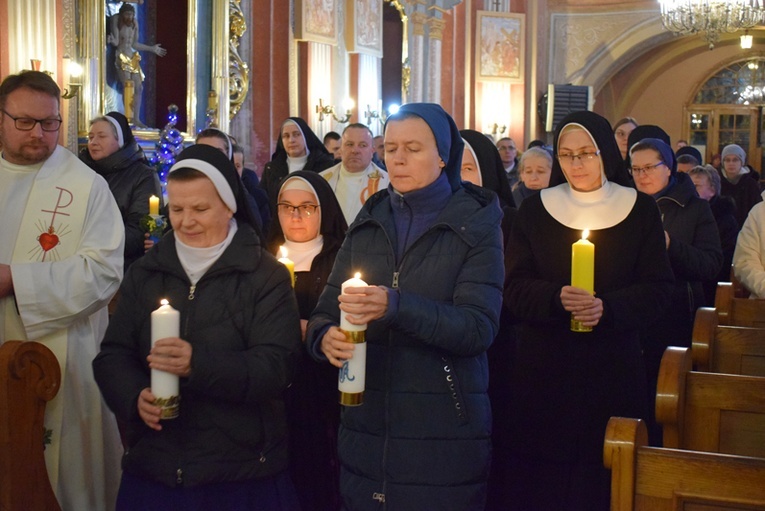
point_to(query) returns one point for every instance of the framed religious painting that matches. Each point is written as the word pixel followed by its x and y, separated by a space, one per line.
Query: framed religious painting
pixel 316 21
pixel 363 27
pixel 500 46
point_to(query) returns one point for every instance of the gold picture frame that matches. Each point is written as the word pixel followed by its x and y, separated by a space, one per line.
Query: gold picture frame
pixel 364 27
pixel 500 46
pixel 316 21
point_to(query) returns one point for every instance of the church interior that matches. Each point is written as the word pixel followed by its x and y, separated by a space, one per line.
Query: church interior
pixel 503 68
pixel 330 61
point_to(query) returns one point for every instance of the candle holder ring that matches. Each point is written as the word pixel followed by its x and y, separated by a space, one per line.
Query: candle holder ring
pixel 578 326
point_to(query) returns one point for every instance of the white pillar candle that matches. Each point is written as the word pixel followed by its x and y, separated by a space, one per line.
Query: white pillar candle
pixel 165 322
pixel 352 378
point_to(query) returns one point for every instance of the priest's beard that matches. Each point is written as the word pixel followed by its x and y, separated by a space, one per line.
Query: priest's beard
pixel 26 153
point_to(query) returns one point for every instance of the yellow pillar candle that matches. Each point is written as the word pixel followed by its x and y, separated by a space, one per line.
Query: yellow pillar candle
pixel 582 272
pixel 351 381
pixel 154 205
pixel 288 263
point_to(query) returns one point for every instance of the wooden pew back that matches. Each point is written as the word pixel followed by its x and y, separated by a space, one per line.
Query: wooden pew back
pixel 726 349
pixel 709 412
pixel 735 311
pixel 660 479
pixel 29 377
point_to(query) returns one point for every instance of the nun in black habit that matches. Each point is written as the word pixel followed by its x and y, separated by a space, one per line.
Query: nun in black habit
pixel 566 385
pixel 303 151
pixel 313 412
pixel 489 172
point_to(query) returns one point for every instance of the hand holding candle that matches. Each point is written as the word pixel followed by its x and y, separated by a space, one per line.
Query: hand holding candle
pixel 582 272
pixel 165 322
pixel 352 378
pixel 288 263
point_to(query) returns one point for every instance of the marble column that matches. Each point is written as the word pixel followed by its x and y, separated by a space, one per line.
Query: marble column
pixel 436 35
pixel 417 62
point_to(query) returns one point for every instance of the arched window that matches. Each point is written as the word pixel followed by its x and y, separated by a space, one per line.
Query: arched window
pixel 740 83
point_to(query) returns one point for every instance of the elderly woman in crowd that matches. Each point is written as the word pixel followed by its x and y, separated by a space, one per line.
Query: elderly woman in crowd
pixel 536 167
pixel 430 251
pixel 693 246
pixel 567 384
pixel 298 148
pixel 311 228
pixel 239 338
pixel 113 152
pixel 707 181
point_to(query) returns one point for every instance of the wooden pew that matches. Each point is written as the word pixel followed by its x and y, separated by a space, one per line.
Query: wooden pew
pixel 29 377
pixel 735 311
pixel 726 349
pixel 709 412
pixel 660 479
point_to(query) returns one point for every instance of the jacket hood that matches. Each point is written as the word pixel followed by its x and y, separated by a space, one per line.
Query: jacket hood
pixel 470 212
pixel 681 191
pixel 118 161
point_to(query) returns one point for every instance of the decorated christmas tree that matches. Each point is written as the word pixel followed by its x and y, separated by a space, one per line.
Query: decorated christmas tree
pixel 169 145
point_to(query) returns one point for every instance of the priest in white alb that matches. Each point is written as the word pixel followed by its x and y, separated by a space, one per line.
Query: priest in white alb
pixel 61 258
pixel 355 178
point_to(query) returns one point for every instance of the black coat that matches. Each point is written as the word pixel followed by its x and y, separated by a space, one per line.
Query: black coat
pixel 132 182
pixel 745 194
pixel 242 322
pixel 694 253
pixel 421 438
pixel 252 185
pixel 724 211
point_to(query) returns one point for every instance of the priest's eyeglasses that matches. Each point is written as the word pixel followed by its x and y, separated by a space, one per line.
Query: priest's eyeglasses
pixel 303 210
pixel 28 124
pixel 648 170
pixel 568 159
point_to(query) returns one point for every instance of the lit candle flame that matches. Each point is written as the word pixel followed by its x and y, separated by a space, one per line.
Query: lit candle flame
pixel 585 233
pixel 283 251
pixel 357 275
pixel 164 302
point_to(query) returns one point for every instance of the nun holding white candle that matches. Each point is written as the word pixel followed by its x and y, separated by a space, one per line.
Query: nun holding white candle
pixel 238 341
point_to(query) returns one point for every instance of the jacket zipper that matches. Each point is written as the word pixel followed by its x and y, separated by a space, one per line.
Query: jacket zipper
pixel 380 496
pixel 192 290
